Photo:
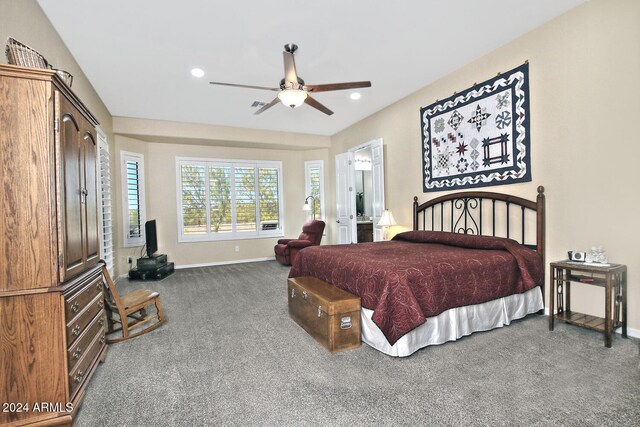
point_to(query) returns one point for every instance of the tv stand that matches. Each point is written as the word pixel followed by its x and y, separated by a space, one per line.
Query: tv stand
pixel 154 267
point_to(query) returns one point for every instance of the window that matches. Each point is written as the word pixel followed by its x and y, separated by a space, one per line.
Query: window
pixel 314 186
pixel 133 198
pixel 106 222
pixel 228 199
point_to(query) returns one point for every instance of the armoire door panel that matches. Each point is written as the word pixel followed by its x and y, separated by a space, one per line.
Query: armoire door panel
pixel 92 244
pixel 72 235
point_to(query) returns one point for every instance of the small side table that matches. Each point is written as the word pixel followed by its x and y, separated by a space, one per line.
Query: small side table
pixel 613 278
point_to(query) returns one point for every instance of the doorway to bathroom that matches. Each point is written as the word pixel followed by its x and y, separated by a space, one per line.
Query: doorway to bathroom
pixel 360 192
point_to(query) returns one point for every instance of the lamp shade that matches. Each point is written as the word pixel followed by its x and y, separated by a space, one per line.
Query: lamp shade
pixel 292 97
pixel 306 207
pixel 387 219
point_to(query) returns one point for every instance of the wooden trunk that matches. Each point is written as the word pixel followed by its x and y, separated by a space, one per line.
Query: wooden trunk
pixel 327 313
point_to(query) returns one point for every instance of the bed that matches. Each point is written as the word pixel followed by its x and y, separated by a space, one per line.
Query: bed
pixel 473 262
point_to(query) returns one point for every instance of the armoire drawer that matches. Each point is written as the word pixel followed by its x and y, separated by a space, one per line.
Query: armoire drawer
pixel 80 322
pixel 81 345
pixel 81 371
pixel 76 302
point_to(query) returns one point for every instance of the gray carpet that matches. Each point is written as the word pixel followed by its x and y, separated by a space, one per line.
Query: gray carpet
pixel 230 355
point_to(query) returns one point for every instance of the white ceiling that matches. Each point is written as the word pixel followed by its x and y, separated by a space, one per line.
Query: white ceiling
pixel 138 54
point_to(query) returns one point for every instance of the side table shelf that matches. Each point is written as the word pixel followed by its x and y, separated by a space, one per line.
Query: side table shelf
pixel 612 277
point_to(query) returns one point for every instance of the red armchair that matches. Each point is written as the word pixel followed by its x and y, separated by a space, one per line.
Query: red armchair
pixel 287 249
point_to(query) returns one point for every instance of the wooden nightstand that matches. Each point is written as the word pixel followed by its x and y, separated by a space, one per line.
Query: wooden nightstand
pixel 613 278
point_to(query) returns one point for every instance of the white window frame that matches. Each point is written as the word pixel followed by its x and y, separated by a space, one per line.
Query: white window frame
pixel 307 184
pixel 126 156
pixel 233 235
pixel 106 213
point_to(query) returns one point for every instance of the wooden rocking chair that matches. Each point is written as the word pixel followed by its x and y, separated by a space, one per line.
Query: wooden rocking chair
pixel 131 310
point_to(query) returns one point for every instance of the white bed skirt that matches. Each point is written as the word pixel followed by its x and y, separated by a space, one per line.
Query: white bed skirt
pixel 453 323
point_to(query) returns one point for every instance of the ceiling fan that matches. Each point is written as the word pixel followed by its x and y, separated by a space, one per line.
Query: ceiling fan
pixel 292 91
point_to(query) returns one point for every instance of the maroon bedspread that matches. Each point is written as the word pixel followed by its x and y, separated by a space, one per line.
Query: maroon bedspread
pixel 420 274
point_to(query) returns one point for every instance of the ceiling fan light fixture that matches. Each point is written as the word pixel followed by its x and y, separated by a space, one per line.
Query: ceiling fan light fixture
pixel 355 96
pixel 292 97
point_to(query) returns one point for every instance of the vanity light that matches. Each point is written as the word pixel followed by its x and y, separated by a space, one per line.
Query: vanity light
pixel 355 96
pixel 197 72
pixel 362 164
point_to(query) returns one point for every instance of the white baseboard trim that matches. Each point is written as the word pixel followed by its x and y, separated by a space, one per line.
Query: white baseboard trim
pixel 631 332
pixel 211 264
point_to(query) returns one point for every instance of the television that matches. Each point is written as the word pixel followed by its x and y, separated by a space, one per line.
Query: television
pixel 151 237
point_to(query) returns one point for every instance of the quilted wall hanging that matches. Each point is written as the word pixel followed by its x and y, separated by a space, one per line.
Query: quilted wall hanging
pixel 478 137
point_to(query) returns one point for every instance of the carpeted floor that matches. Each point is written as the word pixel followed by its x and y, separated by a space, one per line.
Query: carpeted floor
pixel 230 355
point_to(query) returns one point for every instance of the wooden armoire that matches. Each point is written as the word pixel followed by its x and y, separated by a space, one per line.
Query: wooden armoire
pixel 52 317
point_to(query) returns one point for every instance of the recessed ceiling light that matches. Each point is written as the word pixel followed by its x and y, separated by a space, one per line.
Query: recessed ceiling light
pixel 197 72
pixel 355 95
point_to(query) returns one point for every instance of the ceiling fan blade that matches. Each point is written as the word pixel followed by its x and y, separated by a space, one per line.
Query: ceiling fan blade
pixel 290 74
pixel 315 104
pixel 336 86
pixel 247 86
pixel 267 106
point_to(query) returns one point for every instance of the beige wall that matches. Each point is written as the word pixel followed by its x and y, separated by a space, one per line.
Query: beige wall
pixel 161 200
pixel 162 141
pixel 24 21
pixel 584 69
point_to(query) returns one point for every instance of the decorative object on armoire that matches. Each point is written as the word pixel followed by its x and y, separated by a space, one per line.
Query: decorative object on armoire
pixel 22 55
pixel 480 136
pixel 52 317
pixel 308 208
pixel 65 76
pixel 386 221
pixel 287 249
pixel 131 311
pixel 597 255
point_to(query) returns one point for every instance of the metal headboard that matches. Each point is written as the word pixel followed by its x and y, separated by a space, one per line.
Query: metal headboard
pixel 484 213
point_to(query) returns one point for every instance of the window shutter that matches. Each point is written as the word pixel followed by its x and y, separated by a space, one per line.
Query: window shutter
pixel 133 197
pixel 269 198
pixel 245 191
pixel 106 221
pixel 133 191
pixel 227 199
pixel 315 187
pixel 220 196
pixel 194 199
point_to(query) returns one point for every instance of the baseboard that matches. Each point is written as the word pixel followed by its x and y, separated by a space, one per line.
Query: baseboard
pixel 212 264
pixel 631 332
